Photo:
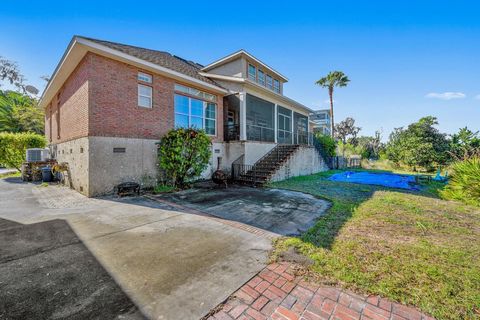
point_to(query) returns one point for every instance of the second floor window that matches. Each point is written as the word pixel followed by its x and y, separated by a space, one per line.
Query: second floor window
pixel 269 82
pixel 261 77
pixel 276 86
pixel 252 72
pixel 144 77
pixel 144 96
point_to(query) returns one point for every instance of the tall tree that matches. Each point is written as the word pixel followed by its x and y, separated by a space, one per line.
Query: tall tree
pixel 347 128
pixel 331 80
pixel 421 144
pixel 20 113
pixel 10 72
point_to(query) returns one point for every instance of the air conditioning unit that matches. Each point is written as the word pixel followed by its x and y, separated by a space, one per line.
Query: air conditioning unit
pixel 37 154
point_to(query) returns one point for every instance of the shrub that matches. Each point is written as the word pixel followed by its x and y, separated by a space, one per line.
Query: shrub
pixel 326 144
pixel 421 144
pixel 464 183
pixel 183 155
pixel 13 147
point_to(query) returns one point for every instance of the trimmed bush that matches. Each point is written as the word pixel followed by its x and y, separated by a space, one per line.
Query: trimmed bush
pixel 183 155
pixel 13 147
pixel 464 183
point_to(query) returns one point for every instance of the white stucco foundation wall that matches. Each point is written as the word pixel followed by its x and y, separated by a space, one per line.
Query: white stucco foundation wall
pixel 305 161
pixel 107 168
pixel 252 151
pixel 218 151
pixel 96 169
pixel 75 153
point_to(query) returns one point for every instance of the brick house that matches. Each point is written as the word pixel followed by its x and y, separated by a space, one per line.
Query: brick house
pixel 107 104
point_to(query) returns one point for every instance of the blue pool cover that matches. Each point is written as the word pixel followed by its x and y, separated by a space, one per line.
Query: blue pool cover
pixel 382 179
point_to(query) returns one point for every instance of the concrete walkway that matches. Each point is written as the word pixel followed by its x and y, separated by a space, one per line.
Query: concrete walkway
pixel 170 263
pixel 276 293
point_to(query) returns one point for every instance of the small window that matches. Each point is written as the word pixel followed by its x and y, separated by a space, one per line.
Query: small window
pixel 261 77
pixel 252 72
pixel 276 86
pixel 144 77
pixel 144 96
pixel 269 82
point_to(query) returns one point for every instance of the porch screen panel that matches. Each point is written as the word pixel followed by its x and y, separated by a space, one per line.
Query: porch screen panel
pixel 300 129
pixel 284 125
pixel 260 119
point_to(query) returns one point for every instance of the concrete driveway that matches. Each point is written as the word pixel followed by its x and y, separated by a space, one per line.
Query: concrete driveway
pixel 128 259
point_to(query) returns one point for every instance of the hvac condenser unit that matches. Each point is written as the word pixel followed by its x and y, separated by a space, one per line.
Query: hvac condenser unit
pixel 37 154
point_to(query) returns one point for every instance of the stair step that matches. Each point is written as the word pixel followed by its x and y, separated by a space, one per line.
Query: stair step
pixel 263 169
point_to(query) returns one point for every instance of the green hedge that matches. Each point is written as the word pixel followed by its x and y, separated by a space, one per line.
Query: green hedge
pixel 13 147
pixel 464 183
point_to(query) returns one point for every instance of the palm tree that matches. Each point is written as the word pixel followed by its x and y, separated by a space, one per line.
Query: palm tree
pixel 333 79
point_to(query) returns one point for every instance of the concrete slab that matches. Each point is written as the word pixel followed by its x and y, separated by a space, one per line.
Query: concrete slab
pixel 170 264
pixel 280 211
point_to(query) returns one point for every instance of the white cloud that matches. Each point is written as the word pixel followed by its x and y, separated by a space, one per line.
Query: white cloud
pixel 446 95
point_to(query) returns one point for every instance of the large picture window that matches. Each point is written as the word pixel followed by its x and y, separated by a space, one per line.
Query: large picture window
pixel 195 113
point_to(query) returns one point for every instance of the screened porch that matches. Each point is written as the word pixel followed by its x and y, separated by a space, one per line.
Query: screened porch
pixel 263 121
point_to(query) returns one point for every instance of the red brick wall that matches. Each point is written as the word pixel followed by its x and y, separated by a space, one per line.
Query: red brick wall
pixel 70 105
pixel 100 99
pixel 114 110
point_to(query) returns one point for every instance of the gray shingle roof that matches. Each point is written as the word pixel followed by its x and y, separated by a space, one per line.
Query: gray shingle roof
pixel 161 58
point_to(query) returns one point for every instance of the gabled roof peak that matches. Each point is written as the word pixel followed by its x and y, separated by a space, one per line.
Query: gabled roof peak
pixel 244 53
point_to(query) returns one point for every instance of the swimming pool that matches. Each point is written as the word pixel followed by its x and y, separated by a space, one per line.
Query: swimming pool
pixel 391 180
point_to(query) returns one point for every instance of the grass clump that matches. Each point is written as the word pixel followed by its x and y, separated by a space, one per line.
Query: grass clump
pixel 10 175
pixel 411 247
pixel 464 183
pixel 163 188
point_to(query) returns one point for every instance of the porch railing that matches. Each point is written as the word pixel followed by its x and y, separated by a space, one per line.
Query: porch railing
pixel 258 133
pixel 303 137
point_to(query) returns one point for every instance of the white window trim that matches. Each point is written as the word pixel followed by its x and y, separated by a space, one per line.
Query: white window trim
pixel 150 97
pixel 144 75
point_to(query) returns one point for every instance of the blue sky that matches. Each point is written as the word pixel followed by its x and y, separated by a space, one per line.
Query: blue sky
pixel 405 59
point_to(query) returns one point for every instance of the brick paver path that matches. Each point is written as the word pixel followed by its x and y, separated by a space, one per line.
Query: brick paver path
pixel 275 293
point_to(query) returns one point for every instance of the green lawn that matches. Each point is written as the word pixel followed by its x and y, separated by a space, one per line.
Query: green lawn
pixel 408 246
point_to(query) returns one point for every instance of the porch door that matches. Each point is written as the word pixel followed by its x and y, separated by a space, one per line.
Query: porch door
pixel 284 135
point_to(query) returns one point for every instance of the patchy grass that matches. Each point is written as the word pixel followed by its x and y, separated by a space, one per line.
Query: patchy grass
pixel 10 175
pixel 408 246
pixel 163 188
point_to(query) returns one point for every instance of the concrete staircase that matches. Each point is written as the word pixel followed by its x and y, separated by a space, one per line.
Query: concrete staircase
pixel 263 169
